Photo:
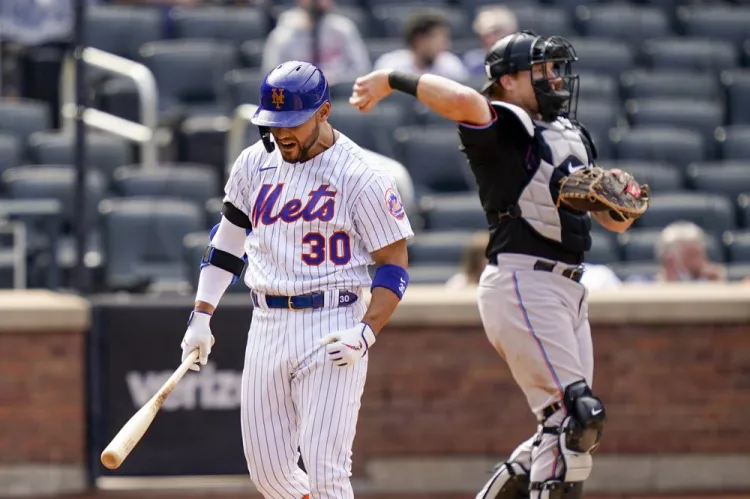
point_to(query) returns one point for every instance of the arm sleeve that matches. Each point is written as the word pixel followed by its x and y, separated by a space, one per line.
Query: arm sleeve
pixel 237 189
pixel 213 281
pixel 379 214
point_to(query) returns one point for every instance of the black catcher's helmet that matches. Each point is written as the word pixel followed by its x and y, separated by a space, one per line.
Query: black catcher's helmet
pixel 520 51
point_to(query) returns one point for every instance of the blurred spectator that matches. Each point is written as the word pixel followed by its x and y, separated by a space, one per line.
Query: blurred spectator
pixel 600 277
pixel 428 40
pixel 342 51
pixel 472 264
pixel 491 24
pixel 681 253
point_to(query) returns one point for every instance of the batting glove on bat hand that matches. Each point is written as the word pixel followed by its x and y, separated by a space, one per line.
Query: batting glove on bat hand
pixel 345 348
pixel 198 335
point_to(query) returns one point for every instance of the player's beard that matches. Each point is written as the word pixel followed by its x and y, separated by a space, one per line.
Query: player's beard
pixel 304 152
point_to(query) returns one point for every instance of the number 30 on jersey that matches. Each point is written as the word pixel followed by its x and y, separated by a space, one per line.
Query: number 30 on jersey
pixel 336 248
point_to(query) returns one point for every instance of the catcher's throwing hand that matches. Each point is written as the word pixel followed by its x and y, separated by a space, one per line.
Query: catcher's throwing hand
pixel 370 89
pixel 345 348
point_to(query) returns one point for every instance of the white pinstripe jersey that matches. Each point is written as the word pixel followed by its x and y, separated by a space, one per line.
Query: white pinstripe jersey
pixel 314 223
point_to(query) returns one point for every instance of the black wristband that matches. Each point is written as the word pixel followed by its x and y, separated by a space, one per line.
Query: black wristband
pixel 404 82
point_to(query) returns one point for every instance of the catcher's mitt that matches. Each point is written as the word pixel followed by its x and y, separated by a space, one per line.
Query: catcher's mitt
pixel 596 189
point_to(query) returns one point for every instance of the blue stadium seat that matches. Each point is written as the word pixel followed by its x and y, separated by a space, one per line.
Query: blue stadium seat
pixel 730 178
pixel 599 115
pixel 143 239
pixel 545 21
pixel 661 177
pixel 603 144
pixel 445 247
pixel 689 54
pixel 189 74
pixel 627 22
pixel 738 272
pixel 670 84
pixel 416 4
pixel 660 144
pixel 196 183
pixel 701 116
pixel 603 56
pixel 716 22
pixel 597 87
pixel 713 213
pixel 231 24
pixel 603 249
pixel 743 209
pixel 453 212
pixel 737 87
pixel 432 274
pixel 392 17
pixel 203 140
pixel 103 151
pixel 373 130
pixel 737 244
pixel 10 151
pixel 122 29
pixel 252 53
pixel 639 245
pixel 243 87
pixel 433 159
pixel 734 142
pixel 23 117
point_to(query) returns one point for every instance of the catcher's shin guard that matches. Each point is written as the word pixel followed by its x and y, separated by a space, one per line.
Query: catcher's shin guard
pixel 510 481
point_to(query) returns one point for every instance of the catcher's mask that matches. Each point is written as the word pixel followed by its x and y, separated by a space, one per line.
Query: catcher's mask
pixel 520 52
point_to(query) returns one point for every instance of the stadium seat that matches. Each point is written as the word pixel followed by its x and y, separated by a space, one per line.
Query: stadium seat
pixel 634 272
pixel 189 74
pixel 716 22
pixel 23 117
pixel 231 24
pixel 359 16
pixel 432 274
pixel 194 246
pixel 603 144
pixel 689 54
pixel 121 29
pixel 143 239
pixel 414 3
pixel 737 87
pixel 670 84
pixel 603 56
pixel 453 212
pixel 743 209
pixel 243 87
pixel 599 115
pixel 639 245
pixel 730 178
pixel 373 131
pixel 597 87
pixel 572 6
pixel 603 249
pixel 659 144
pixel 626 22
pixel 686 114
pixel 737 244
pixel 473 6
pixel 252 53
pixel 661 177
pixel 715 214
pixel 738 272
pixel 212 210
pixel 196 183
pixel 10 151
pixel 734 142
pixel 103 151
pixel 433 159
pixel 439 247
pixel 392 17
pixel 545 21
pixel 203 140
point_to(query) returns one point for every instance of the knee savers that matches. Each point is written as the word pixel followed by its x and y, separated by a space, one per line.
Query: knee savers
pixel 584 423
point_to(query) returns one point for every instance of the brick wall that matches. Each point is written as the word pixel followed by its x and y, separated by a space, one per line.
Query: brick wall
pixel 42 411
pixel 667 388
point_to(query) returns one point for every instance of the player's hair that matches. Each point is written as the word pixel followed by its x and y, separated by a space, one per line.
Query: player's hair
pixel 678 233
pixel 422 23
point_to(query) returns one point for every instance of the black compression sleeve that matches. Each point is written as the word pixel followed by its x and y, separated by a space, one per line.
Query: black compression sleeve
pixel 404 82
pixel 235 215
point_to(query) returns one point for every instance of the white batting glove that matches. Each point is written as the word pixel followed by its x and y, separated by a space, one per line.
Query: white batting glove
pixel 198 335
pixel 345 348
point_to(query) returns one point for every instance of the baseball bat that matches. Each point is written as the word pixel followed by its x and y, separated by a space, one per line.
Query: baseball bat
pixel 132 432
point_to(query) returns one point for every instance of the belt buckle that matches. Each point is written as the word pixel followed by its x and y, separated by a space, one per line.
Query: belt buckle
pixel 576 273
pixel 289 304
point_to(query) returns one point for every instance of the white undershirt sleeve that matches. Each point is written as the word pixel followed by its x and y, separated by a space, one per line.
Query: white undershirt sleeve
pixel 213 281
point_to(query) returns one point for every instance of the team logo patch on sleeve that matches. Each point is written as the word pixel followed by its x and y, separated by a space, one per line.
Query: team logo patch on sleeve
pixel 394 204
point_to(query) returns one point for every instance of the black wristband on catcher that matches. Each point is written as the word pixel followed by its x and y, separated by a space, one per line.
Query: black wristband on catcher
pixel 618 217
pixel 404 82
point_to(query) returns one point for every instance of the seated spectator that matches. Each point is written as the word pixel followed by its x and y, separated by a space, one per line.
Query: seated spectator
pixel 600 277
pixel 473 263
pixel 428 40
pixel 342 52
pixel 491 24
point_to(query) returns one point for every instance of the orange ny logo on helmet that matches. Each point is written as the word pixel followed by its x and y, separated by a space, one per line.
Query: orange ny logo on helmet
pixel 277 97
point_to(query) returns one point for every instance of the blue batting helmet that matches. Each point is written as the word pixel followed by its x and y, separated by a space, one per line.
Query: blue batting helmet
pixel 290 94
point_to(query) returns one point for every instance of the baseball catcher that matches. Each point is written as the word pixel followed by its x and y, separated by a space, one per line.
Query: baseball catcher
pixel 540 187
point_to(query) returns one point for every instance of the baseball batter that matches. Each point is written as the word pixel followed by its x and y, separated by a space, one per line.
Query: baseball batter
pixel 306 213
pixel 521 139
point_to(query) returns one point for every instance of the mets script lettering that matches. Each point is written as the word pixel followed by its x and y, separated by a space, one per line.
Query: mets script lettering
pixel 266 212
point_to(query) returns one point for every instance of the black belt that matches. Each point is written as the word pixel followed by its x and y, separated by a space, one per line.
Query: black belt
pixel 309 301
pixel 572 273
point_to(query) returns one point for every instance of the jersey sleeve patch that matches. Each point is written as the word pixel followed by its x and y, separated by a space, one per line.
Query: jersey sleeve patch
pixel 394 204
